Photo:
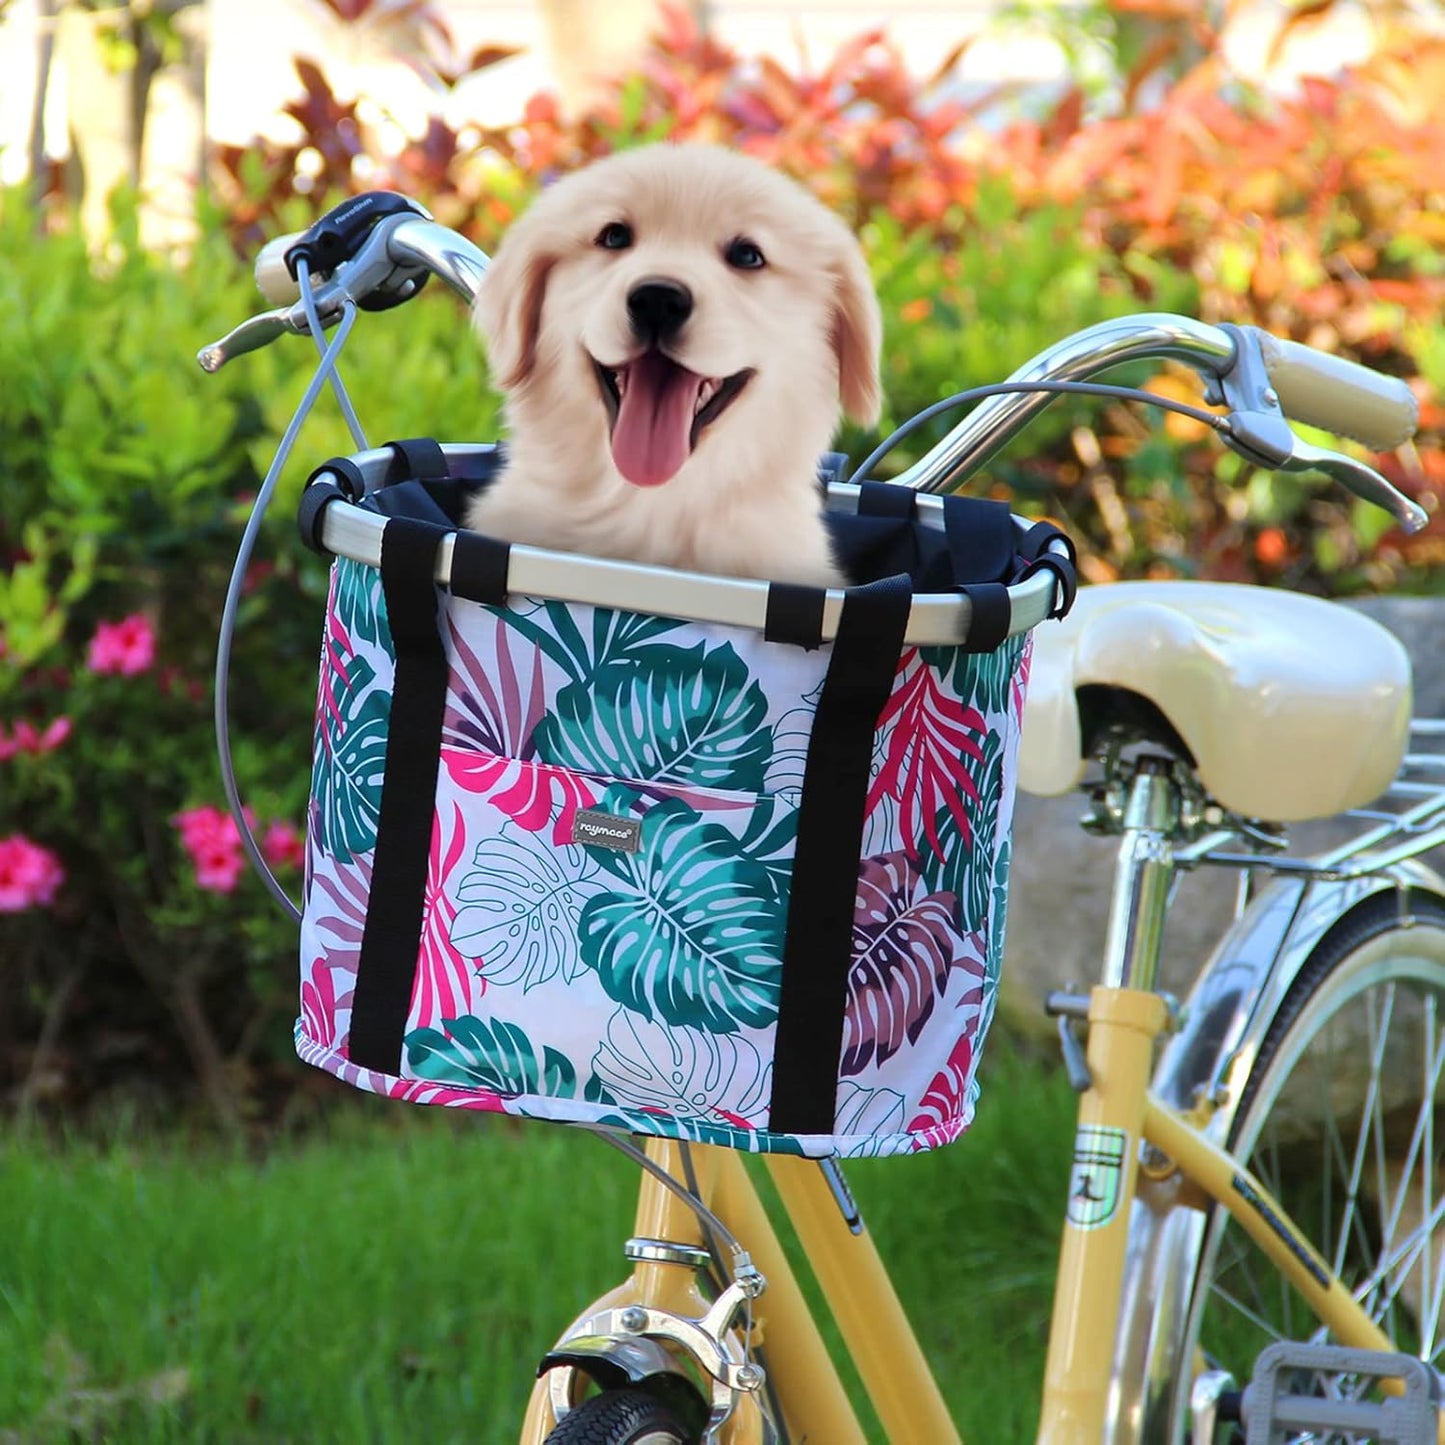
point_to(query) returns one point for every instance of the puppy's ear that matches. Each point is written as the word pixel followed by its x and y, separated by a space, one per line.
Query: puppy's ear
pixel 508 310
pixel 857 336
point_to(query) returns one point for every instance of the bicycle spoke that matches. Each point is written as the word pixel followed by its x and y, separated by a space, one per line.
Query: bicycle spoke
pixel 1427 1174
pixel 1244 1311
pixel 1416 1138
pixel 1244 1258
pixel 1372 1097
pixel 1401 1260
pixel 1430 1324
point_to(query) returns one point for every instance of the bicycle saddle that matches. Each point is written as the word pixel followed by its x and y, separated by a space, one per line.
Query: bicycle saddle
pixel 1289 707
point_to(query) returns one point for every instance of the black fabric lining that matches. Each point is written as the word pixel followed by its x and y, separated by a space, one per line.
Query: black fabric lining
pixel 392 933
pixel 977 545
pixel 818 943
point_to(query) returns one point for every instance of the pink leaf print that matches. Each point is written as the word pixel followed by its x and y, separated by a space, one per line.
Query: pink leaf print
pixel 904 945
pixel 925 765
pixel 525 792
pixel 336 649
pixel 945 1099
pixel 424 1091
pixel 319 1004
pixel 488 706
pixel 346 888
pixel 444 976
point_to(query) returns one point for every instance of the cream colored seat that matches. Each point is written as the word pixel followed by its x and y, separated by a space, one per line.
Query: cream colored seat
pixel 1292 707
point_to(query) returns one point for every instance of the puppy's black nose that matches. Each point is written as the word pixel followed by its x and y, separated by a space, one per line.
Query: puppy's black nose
pixel 658 308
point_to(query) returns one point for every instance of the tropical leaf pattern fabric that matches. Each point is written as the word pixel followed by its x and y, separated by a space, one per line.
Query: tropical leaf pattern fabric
pixel 607 890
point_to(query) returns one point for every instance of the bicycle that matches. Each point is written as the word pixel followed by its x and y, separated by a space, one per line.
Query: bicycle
pixel 1193 1116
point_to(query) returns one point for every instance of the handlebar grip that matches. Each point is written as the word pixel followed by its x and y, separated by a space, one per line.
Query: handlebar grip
pixel 1339 396
pixel 273 276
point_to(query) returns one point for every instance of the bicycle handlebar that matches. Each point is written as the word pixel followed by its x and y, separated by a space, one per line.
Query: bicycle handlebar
pixel 1339 396
pixel 1262 379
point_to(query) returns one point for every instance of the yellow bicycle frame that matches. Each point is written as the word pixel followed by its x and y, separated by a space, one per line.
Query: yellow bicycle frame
pixel 1116 1114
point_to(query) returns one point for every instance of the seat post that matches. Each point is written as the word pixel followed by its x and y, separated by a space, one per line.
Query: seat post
pixel 1143 876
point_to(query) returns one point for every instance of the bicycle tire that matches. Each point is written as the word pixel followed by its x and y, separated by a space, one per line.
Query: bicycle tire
pixel 1373 981
pixel 621 1417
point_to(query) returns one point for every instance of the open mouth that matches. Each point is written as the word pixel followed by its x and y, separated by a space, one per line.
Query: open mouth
pixel 657 410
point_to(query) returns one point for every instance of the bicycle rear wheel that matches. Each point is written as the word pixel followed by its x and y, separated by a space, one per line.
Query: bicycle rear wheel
pixel 1341 1120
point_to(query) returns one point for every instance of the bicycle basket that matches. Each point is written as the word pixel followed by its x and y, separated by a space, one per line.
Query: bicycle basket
pixel 664 870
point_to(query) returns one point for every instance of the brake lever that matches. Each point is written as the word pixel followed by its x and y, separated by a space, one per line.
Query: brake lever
pixel 1267 440
pixel 372 273
pixel 250 335
pixel 1364 481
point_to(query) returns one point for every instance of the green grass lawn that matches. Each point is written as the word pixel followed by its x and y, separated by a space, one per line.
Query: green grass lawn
pixel 396 1278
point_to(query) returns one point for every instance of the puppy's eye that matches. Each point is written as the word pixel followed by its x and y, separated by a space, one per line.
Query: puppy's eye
pixel 615 236
pixel 744 255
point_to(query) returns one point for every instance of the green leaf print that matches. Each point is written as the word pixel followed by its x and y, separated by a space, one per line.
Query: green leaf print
pixel 361 604
pixel 665 714
pixel 980 679
pixel 557 629
pixel 967 870
pixel 691 929
pixel 349 761
pixel 498 1057
pixel 998 917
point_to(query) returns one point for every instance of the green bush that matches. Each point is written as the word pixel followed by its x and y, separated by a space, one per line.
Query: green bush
pixel 128 477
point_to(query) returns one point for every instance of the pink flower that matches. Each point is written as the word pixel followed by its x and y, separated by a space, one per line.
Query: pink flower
pixel 211 838
pixel 218 868
pixel 283 847
pixel 27 739
pixel 125 647
pixel 30 876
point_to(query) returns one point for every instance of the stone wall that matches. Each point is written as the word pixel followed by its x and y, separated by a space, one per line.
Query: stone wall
pixel 1058 898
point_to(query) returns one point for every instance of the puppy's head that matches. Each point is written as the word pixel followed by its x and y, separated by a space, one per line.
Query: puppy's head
pixel 669 303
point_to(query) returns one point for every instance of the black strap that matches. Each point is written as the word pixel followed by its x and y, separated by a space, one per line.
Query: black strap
pixel 479 567
pixel 392 933
pixel 795 614
pixel 414 458
pixel 347 476
pixel 1064 575
pixel 1040 537
pixel 992 614
pixel 315 499
pixel 878 499
pixel 818 944
pixel 1035 547
pixel 980 538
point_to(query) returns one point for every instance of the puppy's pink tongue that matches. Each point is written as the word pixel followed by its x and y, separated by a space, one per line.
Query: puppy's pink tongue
pixel 652 436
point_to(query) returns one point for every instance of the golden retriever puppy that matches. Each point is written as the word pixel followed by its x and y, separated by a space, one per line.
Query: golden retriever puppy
pixel 675 330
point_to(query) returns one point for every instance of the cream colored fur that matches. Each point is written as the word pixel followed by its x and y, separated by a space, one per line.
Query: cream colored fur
pixel 746 500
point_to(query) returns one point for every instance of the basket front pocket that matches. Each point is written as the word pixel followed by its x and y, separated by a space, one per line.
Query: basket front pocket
pixel 603 942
